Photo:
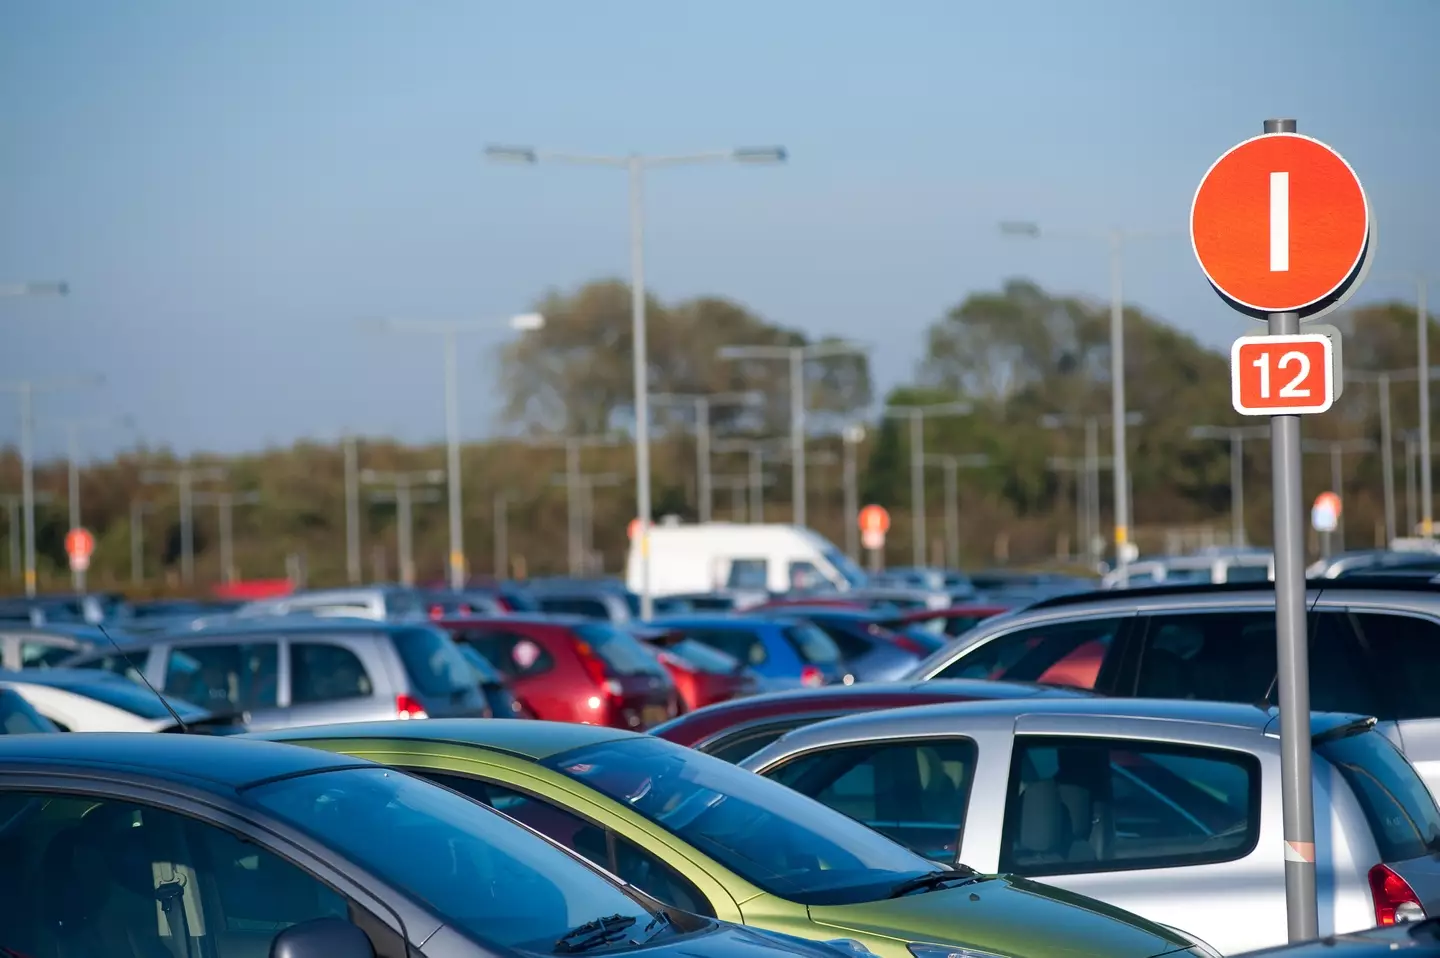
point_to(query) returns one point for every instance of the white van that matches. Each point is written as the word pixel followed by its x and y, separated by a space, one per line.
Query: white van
pixel 735 557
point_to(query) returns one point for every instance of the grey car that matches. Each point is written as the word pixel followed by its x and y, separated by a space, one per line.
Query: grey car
pixel 1374 650
pixel 1170 810
pixel 300 671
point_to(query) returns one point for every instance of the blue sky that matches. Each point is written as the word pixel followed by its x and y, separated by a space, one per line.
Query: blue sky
pixel 230 185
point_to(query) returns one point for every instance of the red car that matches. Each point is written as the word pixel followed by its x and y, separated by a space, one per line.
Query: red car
pixel 948 622
pixel 735 730
pixel 702 675
pixel 573 669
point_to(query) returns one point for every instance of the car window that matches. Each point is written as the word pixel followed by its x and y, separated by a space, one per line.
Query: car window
pixel 813 645
pixel 1340 676
pixel 703 657
pixel 589 608
pixel 1058 653
pixel 226 676
pixel 491 879
pixel 40 655
pixel 851 646
pixel 104 868
pixel 805 576
pixel 743 645
pixel 1406 650
pixel 1401 810
pixel 771 836
pixel 485 673
pixel 1088 805
pixel 432 663
pixel 915 792
pixel 128 697
pixel 735 747
pixel 517 656
pixel 621 651
pixel 750 574
pixel 116 664
pixel 322 672
pixel 18 717
pixel 1212 656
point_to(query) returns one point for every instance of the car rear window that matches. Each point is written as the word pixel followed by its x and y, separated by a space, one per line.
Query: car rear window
pixel 705 658
pixel 814 646
pixel 135 699
pixel 1400 809
pixel 620 650
pixel 432 662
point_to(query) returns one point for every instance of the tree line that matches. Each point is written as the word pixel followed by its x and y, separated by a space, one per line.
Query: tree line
pixel 1015 355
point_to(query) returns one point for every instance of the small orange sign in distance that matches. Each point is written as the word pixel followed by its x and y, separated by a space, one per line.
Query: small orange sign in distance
pixel 1282 375
pixel 1328 501
pixel 79 544
pixel 1280 223
pixel 874 519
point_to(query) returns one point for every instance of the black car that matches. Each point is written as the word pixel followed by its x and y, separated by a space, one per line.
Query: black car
pixel 132 845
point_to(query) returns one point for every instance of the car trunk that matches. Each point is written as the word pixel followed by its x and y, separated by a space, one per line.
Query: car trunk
pixel 442 683
pixel 640 691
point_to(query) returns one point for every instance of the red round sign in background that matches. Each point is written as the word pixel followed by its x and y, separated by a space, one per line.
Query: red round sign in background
pixel 1326 218
pixel 874 519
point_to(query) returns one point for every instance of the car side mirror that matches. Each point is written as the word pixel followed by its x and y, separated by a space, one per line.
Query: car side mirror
pixel 322 938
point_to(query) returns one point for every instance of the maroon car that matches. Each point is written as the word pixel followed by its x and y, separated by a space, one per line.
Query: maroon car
pixel 572 669
pixel 735 730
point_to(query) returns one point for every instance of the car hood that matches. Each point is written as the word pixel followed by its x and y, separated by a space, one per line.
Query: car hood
pixel 725 940
pixel 1008 916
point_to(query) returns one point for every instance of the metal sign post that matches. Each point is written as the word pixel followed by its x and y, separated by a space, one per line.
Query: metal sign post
pixel 1250 204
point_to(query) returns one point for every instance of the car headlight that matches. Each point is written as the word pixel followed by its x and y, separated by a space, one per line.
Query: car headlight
pixel 852 947
pixel 1198 946
pixel 923 950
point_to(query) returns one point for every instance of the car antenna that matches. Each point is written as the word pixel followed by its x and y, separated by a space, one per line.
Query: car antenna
pixel 184 729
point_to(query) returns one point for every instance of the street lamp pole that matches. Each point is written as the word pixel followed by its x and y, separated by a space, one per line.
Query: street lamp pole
pixel 635 165
pixel 852 437
pixel 72 429
pixel 353 571
pixel 1092 465
pixel 952 466
pixel 1383 379
pixel 449 333
pixel 704 403
pixel 184 479
pixel 916 416
pixel 226 503
pixel 574 505
pixel 402 493
pixel 1335 449
pixel 1236 436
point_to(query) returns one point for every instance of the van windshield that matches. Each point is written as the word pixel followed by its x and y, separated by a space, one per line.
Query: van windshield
pixel 848 570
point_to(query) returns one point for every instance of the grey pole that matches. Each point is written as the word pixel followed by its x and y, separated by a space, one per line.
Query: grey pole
pixel 852 438
pixel 952 513
pixel 757 485
pixel 187 528
pixel 1297 799
pixel 226 502
pixel 737 500
pixel 72 455
pixel 456 564
pixel 1387 457
pixel 1411 494
pixel 1117 405
pixel 642 380
pixel 353 572
pixel 1092 485
pixel 1422 315
pixel 405 518
pixel 797 435
pixel 573 504
pixel 1337 480
pixel 917 488
pixel 1237 488
pixel 12 504
pixel 502 536
pixel 27 480
pixel 137 541
pixel 703 489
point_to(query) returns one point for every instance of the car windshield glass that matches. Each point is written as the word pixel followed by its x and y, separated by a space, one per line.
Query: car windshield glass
pixel 433 662
pixel 17 717
pixel 492 879
pixel 812 643
pixel 1400 808
pixel 848 570
pixel 135 699
pixel 773 837
pixel 620 650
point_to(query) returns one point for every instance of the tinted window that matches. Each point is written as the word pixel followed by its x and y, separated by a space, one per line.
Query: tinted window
pixel 737 747
pixel 1340 679
pixel 1059 653
pixel 621 651
pixel 115 664
pixel 915 792
pixel 1085 805
pixel 514 655
pixel 750 574
pixel 589 608
pixel 39 655
pixel 1400 809
pixel 485 673
pixel 490 878
pixel 17 717
pixel 851 646
pixel 1219 657
pixel 703 657
pixel 135 699
pixel 771 836
pixel 1406 651
pixel 740 644
pixel 805 576
pixel 432 662
pixel 320 672
pixel 814 646
pixel 223 677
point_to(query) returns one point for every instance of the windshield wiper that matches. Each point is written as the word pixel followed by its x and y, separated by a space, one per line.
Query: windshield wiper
pixel 660 922
pixel 601 931
pixel 933 880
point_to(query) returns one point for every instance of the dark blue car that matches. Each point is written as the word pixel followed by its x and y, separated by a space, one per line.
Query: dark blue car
pixel 785 652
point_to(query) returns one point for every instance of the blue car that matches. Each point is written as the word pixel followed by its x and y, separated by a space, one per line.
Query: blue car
pixel 785 652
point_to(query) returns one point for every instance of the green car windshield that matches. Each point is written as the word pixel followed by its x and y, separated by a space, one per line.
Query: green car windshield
pixel 777 839
pixel 490 878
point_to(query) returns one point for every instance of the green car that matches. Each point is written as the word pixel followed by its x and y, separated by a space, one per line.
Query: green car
pixel 707 837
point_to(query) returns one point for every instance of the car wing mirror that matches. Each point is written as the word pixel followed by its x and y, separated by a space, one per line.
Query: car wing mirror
pixel 322 938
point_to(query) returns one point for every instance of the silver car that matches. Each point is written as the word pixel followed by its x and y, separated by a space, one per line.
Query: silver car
pixel 296 670
pixel 1374 650
pixel 1167 809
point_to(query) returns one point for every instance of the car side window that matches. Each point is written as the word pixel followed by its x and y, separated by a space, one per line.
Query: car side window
pixel 516 656
pixel 914 792
pixel 224 676
pixel 1056 653
pixel 740 644
pixel 735 747
pixel 1406 649
pixel 1340 672
pixel 589 608
pixel 322 672
pixel 748 574
pixel 106 872
pixel 1080 805
pixel 1212 656
pixel 41 655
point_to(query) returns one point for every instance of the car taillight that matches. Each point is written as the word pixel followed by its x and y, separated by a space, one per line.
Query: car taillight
pixel 810 676
pixel 1395 901
pixel 593 664
pixel 408 708
pixel 436 612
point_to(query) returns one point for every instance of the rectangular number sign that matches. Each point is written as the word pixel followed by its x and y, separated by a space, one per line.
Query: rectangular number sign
pixel 1282 375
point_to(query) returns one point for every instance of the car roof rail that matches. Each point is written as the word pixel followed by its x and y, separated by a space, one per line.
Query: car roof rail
pixel 1366 583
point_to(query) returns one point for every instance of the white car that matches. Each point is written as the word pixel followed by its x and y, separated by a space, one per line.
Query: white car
pixel 92 701
pixel 18 717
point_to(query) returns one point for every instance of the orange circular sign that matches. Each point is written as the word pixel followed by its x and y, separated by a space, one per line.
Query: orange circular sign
pixel 79 544
pixel 874 519
pixel 1281 224
pixel 633 529
pixel 1328 501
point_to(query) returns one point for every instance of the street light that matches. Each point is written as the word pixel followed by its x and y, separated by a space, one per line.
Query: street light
pixel 449 331
pixel 17 290
pixel 796 356
pixel 574 506
pixel 1088 481
pixel 952 465
pixel 402 493
pixel 185 478
pixel 72 429
pixel 916 415
pixel 636 165
pixel 227 501
pixel 703 403
pixel 26 389
pixel 582 487
pixel 1236 436
pixel 852 436
pixel 1116 239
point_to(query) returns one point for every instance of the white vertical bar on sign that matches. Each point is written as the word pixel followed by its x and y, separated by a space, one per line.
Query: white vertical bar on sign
pixel 1279 222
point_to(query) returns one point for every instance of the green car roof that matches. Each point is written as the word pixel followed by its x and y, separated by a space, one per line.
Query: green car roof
pixel 537 741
